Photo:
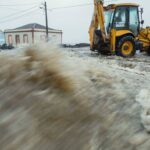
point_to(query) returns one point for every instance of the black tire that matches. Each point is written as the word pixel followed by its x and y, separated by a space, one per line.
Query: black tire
pixel 121 48
pixel 148 51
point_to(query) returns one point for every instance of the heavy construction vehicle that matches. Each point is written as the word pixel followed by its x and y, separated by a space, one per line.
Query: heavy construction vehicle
pixel 116 29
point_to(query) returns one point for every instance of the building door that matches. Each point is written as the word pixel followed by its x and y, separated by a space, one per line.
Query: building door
pixel 10 41
pixel 25 38
pixel 17 39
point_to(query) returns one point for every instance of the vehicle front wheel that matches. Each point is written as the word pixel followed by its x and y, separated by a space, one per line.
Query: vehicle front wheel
pixel 126 47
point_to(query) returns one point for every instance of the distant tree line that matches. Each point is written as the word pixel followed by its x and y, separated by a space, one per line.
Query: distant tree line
pixel 79 45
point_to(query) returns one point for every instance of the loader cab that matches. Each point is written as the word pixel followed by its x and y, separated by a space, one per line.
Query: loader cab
pixel 122 17
pixel 123 28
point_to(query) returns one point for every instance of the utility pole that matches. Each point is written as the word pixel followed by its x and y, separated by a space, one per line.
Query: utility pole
pixel 46 20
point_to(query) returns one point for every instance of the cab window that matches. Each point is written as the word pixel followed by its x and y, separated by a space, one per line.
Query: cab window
pixel 134 20
pixel 120 18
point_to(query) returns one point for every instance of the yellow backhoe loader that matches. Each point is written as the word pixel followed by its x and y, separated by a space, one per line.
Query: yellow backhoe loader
pixel 116 29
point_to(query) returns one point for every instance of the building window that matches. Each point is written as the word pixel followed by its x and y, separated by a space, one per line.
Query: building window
pixel 43 38
pixel 17 39
pixel 25 38
pixel 10 41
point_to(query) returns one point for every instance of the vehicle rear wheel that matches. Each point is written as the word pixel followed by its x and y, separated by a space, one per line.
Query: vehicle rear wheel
pixel 148 51
pixel 126 47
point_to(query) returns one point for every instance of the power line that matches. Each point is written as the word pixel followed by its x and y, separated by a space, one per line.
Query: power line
pixel 14 14
pixel 18 17
pixel 14 5
pixel 71 6
pixel 12 8
pixel 79 5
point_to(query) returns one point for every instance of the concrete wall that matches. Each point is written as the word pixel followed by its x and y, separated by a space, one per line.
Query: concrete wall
pixel 21 34
pixel 54 38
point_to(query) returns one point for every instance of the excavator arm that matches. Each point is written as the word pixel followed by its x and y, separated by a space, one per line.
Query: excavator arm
pixel 98 22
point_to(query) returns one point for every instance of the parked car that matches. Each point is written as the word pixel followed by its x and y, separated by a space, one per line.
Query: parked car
pixel 10 47
pixel 5 46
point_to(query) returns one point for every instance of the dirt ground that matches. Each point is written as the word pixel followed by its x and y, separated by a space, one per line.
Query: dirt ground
pixel 72 99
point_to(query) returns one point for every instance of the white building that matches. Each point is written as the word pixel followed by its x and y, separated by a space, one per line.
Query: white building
pixel 31 34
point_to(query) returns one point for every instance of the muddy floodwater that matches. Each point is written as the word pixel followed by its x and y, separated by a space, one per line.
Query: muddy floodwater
pixel 71 99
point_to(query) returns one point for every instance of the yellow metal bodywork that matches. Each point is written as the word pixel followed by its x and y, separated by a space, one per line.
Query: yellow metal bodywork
pixel 127 48
pixel 113 40
pixel 126 4
pixel 98 22
pixel 113 6
pixel 123 32
pixel 144 37
pixel 116 34
pixel 99 10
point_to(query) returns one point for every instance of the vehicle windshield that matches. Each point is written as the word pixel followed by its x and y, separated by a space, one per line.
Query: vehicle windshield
pixel 108 20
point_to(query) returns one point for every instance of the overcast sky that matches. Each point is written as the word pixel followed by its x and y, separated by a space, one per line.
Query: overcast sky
pixel 73 21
